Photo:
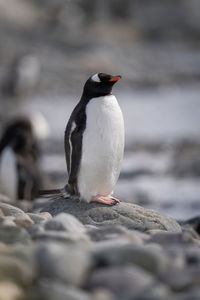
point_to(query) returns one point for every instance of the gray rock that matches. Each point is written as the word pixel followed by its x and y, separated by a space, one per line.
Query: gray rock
pixel 39 217
pixel 61 236
pixel 127 214
pixel 21 218
pixel 15 269
pixel 35 230
pixel 59 262
pixel 14 234
pixel 7 221
pixel 113 232
pixel 150 258
pixel 120 280
pixel 181 279
pixel 10 210
pixel 51 290
pixel 69 224
pixel 167 239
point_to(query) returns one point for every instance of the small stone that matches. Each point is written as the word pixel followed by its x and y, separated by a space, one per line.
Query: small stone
pixel 10 210
pixel 23 220
pixel 14 234
pixel 52 290
pixel 40 217
pixel 120 280
pixel 182 279
pixel 167 239
pixel 112 232
pixel 35 230
pixel 7 221
pixel 59 262
pixel 61 236
pixel 151 258
pixel 102 294
pixel 16 269
pixel 67 223
pixel 10 291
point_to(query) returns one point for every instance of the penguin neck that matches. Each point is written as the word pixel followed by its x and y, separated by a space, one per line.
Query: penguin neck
pixel 87 96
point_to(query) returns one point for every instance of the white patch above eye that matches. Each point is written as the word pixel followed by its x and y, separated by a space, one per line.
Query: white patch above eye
pixel 95 78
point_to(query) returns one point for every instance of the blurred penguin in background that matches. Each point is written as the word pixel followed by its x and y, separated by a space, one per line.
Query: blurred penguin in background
pixel 20 177
pixel 19 82
pixel 22 76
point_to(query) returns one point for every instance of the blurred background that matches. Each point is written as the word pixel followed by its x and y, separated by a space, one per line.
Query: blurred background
pixel 49 48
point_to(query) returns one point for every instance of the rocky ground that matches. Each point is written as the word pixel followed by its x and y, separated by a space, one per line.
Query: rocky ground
pixel 66 249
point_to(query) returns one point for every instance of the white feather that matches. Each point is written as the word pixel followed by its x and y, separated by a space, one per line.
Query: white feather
pixel 8 174
pixel 102 148
pixel 95 78
pixel 70 144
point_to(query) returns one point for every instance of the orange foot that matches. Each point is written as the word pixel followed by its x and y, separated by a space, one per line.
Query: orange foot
pixel 108 200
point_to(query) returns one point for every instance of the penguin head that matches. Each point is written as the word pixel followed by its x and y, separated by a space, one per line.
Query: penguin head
pixel 100 85
pixel 19 136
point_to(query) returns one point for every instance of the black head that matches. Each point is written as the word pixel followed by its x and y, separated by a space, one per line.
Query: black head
pixel 19 136
pixel 100 85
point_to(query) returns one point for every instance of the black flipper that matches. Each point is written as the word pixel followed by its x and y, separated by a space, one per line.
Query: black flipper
pixel 73 144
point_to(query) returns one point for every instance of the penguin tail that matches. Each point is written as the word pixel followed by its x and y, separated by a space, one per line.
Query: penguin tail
pixel 64 192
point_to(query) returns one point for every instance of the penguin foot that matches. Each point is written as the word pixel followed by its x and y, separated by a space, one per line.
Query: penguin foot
pixel 105 200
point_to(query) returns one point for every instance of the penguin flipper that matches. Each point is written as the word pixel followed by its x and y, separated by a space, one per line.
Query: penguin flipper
pixel 76 141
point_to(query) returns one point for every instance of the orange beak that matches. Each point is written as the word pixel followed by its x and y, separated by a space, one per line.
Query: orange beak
pixel 115 78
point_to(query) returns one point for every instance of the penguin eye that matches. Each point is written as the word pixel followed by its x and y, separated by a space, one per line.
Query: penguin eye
pixel 95 78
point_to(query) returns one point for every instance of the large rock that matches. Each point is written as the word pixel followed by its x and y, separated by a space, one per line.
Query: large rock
pixel 130 215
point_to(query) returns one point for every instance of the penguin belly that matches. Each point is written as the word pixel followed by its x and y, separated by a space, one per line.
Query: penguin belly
pixel 102 148
pixel 8 174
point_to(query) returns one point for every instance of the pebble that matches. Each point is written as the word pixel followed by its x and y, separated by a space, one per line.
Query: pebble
pixel 10 291
pixel 60 262
pixel 16 269
pixel 40 217
pixel 51 290
pixel 148 257
pixel 121 280
pixel 14 234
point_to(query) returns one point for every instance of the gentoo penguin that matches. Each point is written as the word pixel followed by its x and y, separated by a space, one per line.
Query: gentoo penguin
pixel 94 143
pixel 20 177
